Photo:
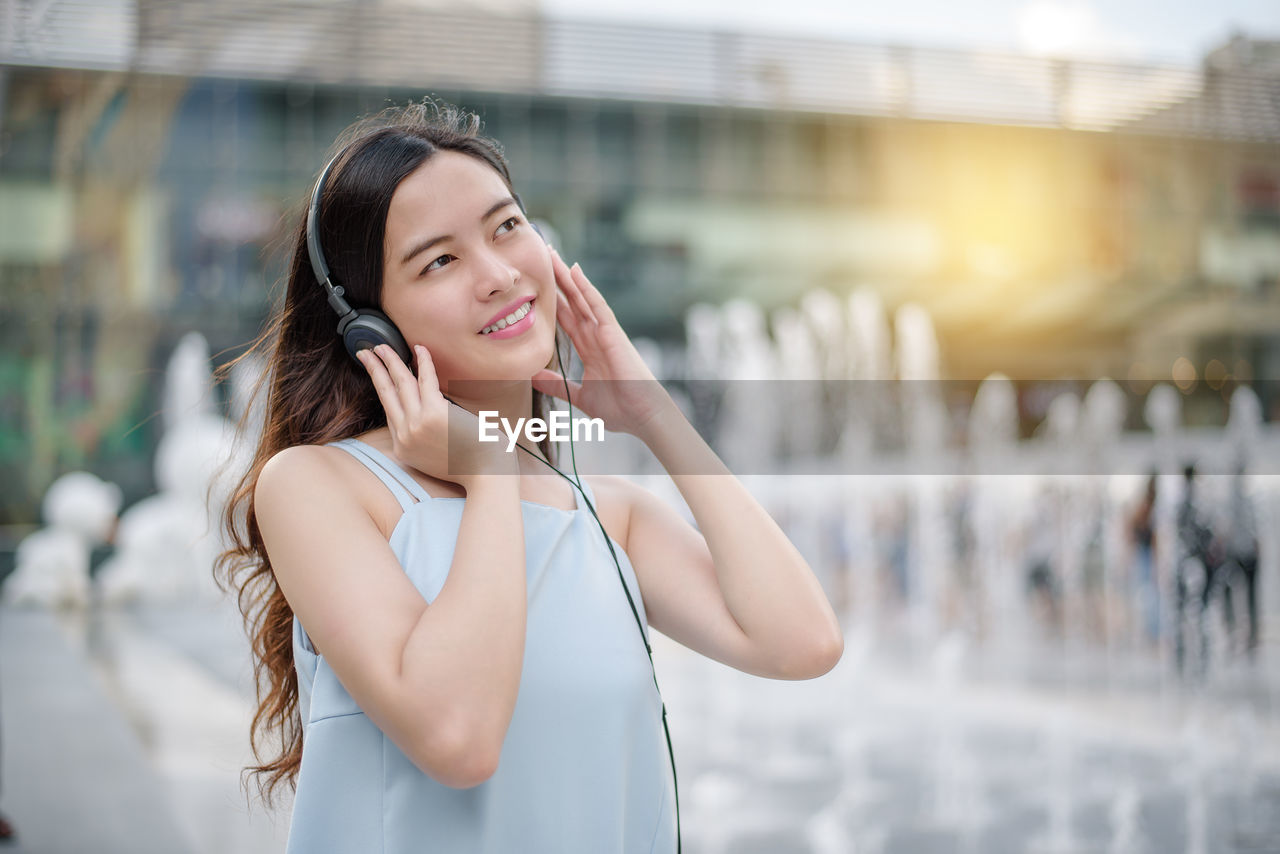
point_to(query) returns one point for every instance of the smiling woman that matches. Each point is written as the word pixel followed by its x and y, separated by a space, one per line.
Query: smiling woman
pixel 432 683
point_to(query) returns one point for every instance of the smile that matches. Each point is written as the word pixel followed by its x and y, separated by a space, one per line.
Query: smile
pixel 513 324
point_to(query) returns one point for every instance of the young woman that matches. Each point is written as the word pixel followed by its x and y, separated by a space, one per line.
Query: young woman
pixel 444 621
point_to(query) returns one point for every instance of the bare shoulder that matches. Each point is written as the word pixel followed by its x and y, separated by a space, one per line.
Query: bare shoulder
pixel 295 469
pixel 608 484
pixel 321 479
pixel 619 490
pixel 620 501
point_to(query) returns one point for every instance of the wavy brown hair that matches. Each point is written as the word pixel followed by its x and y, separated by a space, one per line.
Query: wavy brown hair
pixel 316 393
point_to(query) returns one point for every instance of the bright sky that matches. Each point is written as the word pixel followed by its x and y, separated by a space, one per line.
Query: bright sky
pixel 1176 30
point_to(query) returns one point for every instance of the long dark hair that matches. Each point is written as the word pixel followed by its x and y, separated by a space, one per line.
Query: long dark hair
pixel 316 393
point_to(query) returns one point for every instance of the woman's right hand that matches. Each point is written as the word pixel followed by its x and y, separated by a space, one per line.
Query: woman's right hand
pixel 428 432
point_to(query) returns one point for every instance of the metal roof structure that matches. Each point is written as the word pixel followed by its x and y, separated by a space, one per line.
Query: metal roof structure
pixel 396 43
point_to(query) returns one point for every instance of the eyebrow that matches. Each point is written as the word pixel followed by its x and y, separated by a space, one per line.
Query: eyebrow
pixel 427 244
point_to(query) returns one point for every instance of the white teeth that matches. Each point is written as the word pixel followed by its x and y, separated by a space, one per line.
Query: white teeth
pixel 509 319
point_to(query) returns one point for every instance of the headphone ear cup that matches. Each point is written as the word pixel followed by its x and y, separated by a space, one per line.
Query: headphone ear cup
pixel 369 328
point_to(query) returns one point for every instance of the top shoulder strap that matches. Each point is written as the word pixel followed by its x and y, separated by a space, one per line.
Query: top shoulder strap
pixel 406 490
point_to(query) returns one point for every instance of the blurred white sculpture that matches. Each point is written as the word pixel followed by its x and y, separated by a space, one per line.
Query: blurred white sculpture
pixel 167 542
pixel 188 381
pixel 53 563
pixel 1244 421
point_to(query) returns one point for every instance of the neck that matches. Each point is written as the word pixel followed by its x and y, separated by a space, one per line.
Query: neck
pixel 512 401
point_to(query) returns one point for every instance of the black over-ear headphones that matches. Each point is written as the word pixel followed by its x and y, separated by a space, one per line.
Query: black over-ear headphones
pixel 361 329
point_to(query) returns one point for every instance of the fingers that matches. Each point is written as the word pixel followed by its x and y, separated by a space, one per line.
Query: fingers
pixel 594 298
pixel 406 383
pixel 569 287
pixel 567 319
pixel 428 382
pixel 384 386
pixel 573 323
pixel 585 298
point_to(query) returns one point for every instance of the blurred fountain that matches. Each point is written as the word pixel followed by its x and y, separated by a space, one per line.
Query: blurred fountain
pixel 848 823
pixel 1059 837
pixel 749 424
pixel 702 335
pixel 1163 414
pixel 1103 415
pixel 867 368
pixel 717 798
pixel 959 798
pixel 1126 820
pixel 858 601
pixel 1245 736
pixel 828 320
pixel 798 389
pixel 924 422
pixel 1197 765
pixel 826 317
pixel 924 749
pixel 869 357
pixel 701 369
pixel 52 564
pixel 993 436
pixel 1244 422
pixel 1073 518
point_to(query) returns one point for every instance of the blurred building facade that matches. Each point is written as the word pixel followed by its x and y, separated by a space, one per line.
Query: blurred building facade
pixel 1056 218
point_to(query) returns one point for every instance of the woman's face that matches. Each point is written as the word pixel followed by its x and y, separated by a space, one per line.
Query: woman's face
pixel 458 255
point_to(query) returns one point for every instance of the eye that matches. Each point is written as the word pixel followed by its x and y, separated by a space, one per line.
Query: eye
pixel 436 264
pixel 509 225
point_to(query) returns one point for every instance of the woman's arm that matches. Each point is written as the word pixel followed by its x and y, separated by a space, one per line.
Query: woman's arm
pixel 441 679
pixel 738 592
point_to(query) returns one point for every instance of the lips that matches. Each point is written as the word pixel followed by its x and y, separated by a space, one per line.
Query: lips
pixel 510 307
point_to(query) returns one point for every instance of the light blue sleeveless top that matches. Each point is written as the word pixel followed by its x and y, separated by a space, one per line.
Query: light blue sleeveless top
pixel 584 767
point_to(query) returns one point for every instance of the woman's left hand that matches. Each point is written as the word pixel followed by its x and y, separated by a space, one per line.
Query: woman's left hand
pixel 617 386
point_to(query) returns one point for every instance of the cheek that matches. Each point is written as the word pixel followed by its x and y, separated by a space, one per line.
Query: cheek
pixel 535 258
pixel 421 319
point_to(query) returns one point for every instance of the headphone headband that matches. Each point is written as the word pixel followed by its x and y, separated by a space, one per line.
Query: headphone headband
pixel 359 328
pixel 318 265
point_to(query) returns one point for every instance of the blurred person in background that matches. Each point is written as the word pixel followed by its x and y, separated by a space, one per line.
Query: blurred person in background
pixel 1240 553
pixel 1142 536
pixel 1197 564
pixel 7 833
pixel 445 658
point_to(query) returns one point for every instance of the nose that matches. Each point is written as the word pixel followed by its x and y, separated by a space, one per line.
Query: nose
pixel 495 274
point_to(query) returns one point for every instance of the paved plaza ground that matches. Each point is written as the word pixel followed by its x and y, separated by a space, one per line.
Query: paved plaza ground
pixel 124 731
